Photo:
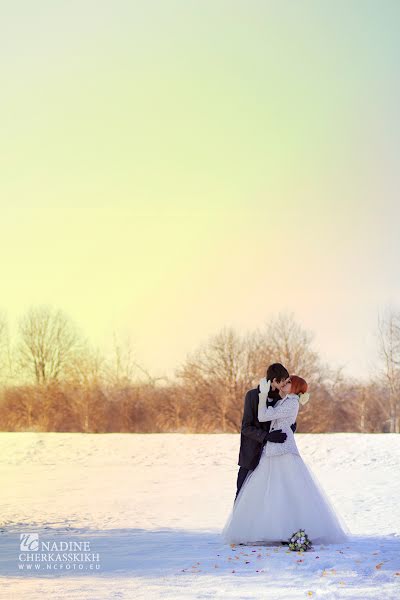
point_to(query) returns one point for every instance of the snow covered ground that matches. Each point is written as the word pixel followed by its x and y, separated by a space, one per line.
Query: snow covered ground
pixel 151 506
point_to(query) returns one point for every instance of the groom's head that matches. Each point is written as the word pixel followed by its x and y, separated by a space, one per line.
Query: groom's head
pixel 277 374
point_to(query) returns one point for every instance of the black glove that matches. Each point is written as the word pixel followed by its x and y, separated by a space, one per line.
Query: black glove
pixel 293 427
pixel 275 436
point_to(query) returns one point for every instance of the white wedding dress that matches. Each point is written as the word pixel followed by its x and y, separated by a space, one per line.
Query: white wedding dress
pixel 281 495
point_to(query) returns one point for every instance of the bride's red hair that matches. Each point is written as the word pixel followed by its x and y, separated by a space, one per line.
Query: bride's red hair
pixel 299 385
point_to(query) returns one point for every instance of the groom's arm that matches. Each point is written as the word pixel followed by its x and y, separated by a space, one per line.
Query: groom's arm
pixel 248 429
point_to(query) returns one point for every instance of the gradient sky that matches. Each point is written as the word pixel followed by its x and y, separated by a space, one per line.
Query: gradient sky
pixel 168 168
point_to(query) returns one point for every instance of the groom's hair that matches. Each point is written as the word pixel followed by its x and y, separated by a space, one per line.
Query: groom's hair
pixel 277 371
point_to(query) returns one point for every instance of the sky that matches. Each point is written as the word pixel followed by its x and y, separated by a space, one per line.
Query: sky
pixel 171 168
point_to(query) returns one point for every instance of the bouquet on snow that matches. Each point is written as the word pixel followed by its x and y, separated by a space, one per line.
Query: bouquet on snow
pixel 299 541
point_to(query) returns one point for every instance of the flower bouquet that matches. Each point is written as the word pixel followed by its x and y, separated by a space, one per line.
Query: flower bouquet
pixel 299 541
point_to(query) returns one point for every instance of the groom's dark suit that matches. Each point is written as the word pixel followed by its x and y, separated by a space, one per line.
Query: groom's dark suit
pixel 255 434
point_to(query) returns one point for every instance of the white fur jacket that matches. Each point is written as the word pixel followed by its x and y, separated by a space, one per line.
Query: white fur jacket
pixel 282 415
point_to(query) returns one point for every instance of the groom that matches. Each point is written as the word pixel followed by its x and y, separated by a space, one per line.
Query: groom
pixel 255 434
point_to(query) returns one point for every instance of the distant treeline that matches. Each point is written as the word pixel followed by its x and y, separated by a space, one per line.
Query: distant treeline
pixel 53 380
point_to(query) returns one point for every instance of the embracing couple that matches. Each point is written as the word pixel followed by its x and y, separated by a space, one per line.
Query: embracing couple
pixel 277 494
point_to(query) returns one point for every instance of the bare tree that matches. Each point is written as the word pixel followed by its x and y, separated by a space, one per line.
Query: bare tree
pixel 123 369
pixel 172 411
pixel 215 378
pixel 48 342
pixel 389 352
pixel 286 341
pixel 72 386
pixel 291 345
pixel 5 351
pixel 87 366
pixel 217 375
pixel 372 407
pixel 258 354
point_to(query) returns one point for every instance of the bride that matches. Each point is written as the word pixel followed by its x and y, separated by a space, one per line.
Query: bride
pixel 281 495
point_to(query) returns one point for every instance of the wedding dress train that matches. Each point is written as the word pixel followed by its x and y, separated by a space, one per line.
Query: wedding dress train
pixel 280 497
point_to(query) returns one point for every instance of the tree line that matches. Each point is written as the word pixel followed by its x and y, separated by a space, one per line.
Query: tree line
pixel 53 379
